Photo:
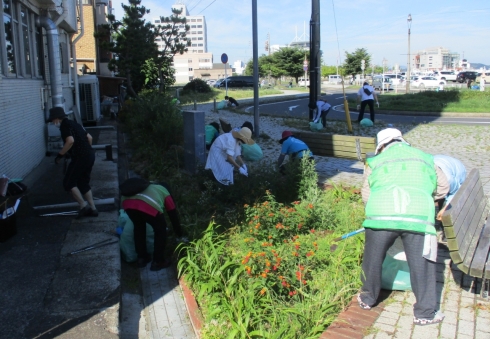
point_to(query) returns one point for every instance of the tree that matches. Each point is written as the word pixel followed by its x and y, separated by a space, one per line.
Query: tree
pixel 175 41
pixel 289 62
pixel 133 42
pixel 352 64
pixel 329 70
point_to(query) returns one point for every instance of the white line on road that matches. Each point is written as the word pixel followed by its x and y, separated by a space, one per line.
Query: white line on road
pixel 339 98
pixel 459 122
pixel 291 107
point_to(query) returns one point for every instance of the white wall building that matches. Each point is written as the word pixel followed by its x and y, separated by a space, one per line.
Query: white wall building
pixel 36 73
pixel 239 67
pixel 435 58
pixel 197 54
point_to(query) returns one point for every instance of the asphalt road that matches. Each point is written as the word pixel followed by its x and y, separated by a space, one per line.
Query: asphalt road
pixel 299 109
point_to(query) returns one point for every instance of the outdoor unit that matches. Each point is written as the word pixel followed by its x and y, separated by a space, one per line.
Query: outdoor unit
pixel 89 98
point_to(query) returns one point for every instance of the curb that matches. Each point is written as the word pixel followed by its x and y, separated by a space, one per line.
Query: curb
pixel 192 308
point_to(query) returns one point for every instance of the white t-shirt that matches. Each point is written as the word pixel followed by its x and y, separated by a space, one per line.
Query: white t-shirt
pixel 363 95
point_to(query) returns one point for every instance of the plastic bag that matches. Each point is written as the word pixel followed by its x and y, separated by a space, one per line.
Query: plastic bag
pixel 366 122
pixel 126 241
pixel 315 127
pixel 221 104
pixel 252 152
pixel 395 273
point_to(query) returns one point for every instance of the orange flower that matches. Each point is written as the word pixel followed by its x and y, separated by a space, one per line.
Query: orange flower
pixel 256 217
pixel 271 214
pixel 295 253
pixel 264 275
pixel 310 205
pixel 246 205
pixel 296 202
pixel 262 291
pixel 270 236
pixel 265 203
pixel 257 225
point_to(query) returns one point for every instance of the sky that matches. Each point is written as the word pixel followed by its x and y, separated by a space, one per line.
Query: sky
pixel 380 26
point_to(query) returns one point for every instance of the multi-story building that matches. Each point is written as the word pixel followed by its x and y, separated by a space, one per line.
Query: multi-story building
pixel 436 58
pixel 37 49
pixel 91 58
pixel 197 56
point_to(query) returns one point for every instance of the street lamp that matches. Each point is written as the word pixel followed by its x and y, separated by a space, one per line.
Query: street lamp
pixel 408 77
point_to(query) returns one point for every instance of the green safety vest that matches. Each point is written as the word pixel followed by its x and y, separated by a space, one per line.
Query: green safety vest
pixel 154 195
pixel 402 182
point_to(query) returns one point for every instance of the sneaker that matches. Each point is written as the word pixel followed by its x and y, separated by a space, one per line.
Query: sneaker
pixel 157 266
pixel 142 262
pixel 83 212
pixel 362 305
pixel 438 317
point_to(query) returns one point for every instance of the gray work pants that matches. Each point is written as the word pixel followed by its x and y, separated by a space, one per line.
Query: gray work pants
pixel 422 271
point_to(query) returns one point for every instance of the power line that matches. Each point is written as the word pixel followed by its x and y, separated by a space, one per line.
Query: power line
pixel 206 7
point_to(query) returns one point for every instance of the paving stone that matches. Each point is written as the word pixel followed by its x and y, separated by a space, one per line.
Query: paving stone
pixel 482 324
pixel 466 327
pixel 384 327
pixel 386 320
pixel 467 302
pixel 402 334
pixel 430 331
pixel 405 322
pixel 466 313
pixel 384 335
pixel 391 315
pixel 451 317
pixel 448 330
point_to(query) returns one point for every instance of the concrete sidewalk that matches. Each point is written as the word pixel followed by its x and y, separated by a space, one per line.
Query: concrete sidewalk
pixel 46 292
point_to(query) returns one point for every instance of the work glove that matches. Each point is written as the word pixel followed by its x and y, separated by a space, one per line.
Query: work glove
pixel 377 103
pixel 58 158
pixel 358 107
pixel 245 167
pixel 243 172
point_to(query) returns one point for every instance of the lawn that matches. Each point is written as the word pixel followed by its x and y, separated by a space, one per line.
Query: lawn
pixel 219 94
pixel 454 100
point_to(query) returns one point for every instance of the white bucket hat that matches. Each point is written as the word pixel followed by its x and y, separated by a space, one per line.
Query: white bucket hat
pixel 385 136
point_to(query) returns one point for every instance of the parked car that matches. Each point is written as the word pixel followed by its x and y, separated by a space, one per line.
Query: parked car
pixel 396 79
pixel 211 82
pixel 301 82
pixel 446 75
pixel 218 82
pixel 335 79
pixel 487 77
pixel 240 81
pixel 465 76
pixel 426 81
pixel 382 83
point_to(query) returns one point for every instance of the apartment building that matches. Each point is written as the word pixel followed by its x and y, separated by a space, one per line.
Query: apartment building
pixel 435 58
pixel 197 56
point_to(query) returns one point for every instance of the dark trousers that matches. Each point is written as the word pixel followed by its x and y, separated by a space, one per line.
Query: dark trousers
pixel 370 103
pixel 324 117
pixel 422 271
pixel 140 219
pixel 78 173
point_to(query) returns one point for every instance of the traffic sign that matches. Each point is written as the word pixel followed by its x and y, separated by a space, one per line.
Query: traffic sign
pixel 305 68
pixel 224 58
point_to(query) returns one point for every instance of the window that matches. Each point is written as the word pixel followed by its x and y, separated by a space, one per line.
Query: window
pixel 189 61
pixel 199 26
pixel 193 20
pixel 194 38
pixel 190 68
pixel 10 44
pixel 157 21
pixel 199 20
pixel 199 32
pixel 86 2
pixel 199 38
pixel 193 26
pixel 200 45
pixel 193 32
pixel 18 45
pixel 194 45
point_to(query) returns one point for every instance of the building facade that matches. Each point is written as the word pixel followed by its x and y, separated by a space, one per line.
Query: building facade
pixel 37 72
pixel 197 56
pixel 436 58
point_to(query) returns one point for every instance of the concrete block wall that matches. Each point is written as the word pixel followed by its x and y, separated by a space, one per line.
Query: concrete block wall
pixel 22 127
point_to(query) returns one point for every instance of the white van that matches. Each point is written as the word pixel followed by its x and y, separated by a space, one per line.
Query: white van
pixel 301 82
pixel 382 83
pixel 335 79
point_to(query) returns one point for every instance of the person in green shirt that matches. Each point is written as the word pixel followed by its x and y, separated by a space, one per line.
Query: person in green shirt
pixel 251 152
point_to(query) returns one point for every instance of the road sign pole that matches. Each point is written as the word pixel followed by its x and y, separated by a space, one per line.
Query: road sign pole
pixel 226 82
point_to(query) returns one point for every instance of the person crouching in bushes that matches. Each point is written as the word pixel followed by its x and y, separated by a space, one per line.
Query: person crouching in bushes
pixel 225 155
pixel 211 132
pixel 147 207
pixel 295 148
pixel 251 152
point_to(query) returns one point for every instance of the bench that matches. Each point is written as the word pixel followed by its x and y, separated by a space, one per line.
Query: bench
pixel 339 146
pixel 467 229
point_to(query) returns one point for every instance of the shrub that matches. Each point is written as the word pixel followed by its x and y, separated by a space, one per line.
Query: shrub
pixel 197 85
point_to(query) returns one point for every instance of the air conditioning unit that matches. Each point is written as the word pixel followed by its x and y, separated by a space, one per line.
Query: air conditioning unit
pixel 89 98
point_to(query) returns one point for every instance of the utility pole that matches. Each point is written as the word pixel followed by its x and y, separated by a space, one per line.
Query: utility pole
pixel 315 59
pixel 408 78
pixel 256 68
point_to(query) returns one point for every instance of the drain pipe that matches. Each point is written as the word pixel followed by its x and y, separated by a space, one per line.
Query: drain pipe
pixel 75 66
pixel 53 58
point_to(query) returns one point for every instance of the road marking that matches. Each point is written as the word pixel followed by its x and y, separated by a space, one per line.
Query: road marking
pixel 339 98
pixel 459 122
pixel 291 107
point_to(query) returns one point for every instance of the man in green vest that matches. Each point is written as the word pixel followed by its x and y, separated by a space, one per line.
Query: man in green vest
pixel 400 186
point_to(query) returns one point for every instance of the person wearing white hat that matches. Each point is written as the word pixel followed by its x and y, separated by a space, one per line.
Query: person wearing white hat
pixel 366 96
pixel 399 186
pixel 225 155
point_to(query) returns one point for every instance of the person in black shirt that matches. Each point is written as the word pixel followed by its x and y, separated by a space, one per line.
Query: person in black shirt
pixel 78 144
pixel 231 102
